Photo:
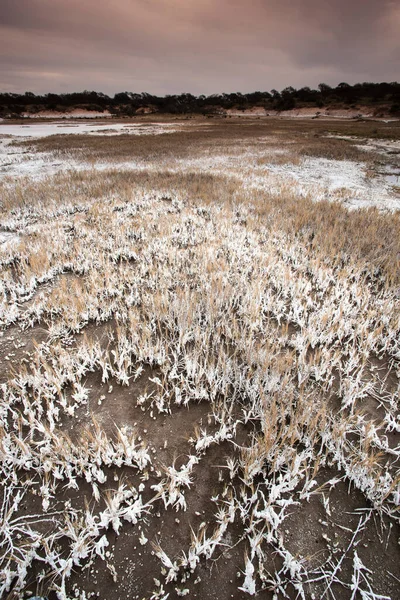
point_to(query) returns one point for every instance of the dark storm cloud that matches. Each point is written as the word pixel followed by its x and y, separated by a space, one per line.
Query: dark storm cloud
pixel 167 46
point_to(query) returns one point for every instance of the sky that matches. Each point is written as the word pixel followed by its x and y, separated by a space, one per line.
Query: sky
pixel 203 47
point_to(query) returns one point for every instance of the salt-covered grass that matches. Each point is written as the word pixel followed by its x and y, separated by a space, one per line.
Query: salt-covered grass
pixel 270 155
pixel 215 389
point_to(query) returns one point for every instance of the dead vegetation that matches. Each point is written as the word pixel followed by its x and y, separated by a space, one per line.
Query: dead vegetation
pixel 368 238
pixel 218 387
pixel 205 136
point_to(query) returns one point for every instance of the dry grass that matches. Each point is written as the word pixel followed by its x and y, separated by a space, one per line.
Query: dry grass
pixel 276 313
pixel 204 136
pixel 332 149
pixel 368 238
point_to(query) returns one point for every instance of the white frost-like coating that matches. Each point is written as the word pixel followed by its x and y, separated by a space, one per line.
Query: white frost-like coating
pixel 36 130
pixel 344 181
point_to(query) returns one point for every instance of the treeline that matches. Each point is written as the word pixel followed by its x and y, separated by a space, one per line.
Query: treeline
pixel 129 103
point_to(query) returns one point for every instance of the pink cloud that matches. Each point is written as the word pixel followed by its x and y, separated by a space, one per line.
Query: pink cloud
pixel 170 46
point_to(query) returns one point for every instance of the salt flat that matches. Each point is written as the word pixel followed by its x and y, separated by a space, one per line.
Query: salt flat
pixel 35 130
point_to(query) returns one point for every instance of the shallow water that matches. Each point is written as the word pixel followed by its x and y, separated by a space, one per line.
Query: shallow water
pixel 392 175
pixel 393 179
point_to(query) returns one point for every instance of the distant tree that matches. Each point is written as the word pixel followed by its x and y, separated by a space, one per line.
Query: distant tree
pixel 122 98
pixel 306 94
pixel 129 102
pixel 288 91
pixel 324 88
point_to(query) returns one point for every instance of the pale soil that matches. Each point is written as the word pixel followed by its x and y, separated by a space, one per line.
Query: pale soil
pixel 256 111
pixel 311 112
pixel 76 113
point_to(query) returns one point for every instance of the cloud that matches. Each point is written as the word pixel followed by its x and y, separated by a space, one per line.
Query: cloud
pixel 170 46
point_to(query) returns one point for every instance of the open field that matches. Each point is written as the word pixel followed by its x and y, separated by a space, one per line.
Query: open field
pixel 200 361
